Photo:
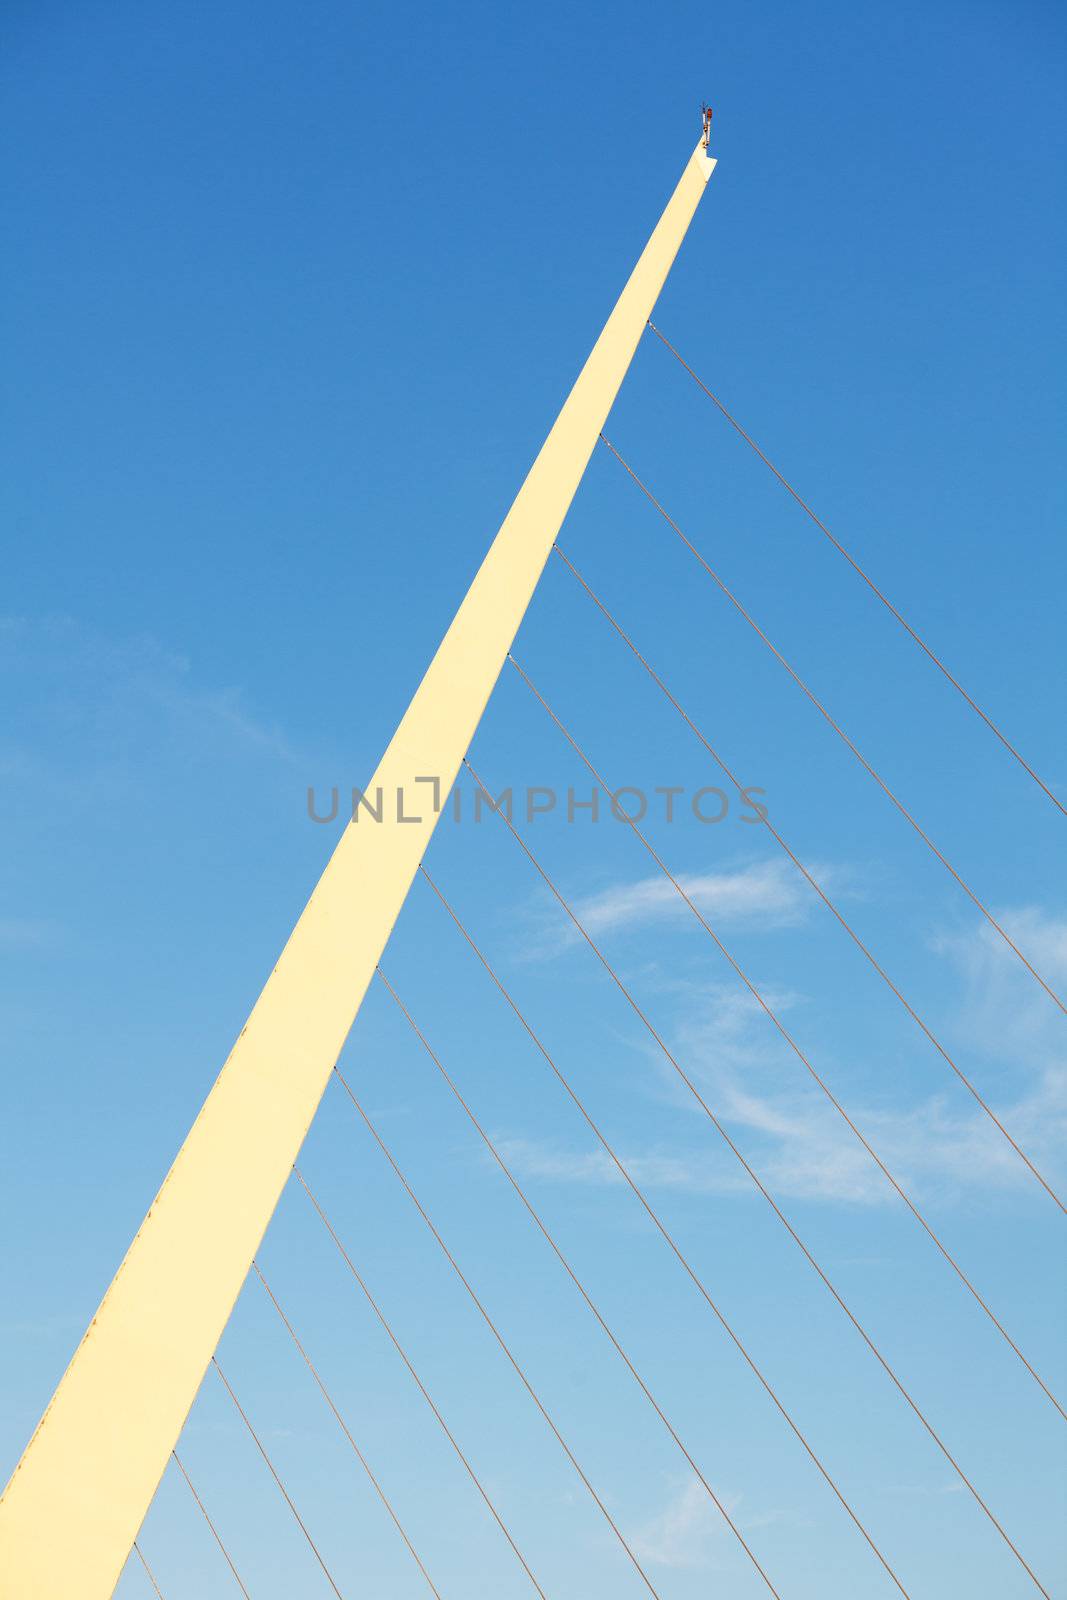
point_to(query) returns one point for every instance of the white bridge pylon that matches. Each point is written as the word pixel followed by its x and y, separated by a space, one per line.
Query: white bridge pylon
pixel 72 1509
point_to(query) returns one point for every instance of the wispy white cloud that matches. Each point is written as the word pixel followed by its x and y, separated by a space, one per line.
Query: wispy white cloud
pixel 768 894
pixel 1002 1011
pixel 802 1150
pixel 686 1531
pixel 1011 1035
pixel 797 1156
pixel 20 933
pixel 652 1169
pixel 941 1143
pixel 805 1150
pixel 108 703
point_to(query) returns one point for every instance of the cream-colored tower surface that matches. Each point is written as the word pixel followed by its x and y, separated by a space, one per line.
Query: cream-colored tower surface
pixel 73 1506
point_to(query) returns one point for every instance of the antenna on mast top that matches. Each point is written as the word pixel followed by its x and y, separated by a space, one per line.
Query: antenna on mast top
pixel 705 111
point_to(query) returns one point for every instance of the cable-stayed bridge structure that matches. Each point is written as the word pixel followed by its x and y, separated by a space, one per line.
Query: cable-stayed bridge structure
pixel 72 1514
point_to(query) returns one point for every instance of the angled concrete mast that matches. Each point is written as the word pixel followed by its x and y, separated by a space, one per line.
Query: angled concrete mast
pixel 70 1513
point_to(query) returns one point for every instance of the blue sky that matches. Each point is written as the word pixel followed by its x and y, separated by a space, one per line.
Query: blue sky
pixel 294 296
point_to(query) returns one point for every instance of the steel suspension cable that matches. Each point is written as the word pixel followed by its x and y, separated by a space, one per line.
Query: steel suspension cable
pixel 564 1263
pixel 179 1463
pixel 148 1571
pixel 301 1524
pixel 383 1497
pixel 497 1335
pixel 656 1219
pixel 842 735
pixel 398 1347
pixel 854 564
pixel 762 1001
pixel 753 1175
